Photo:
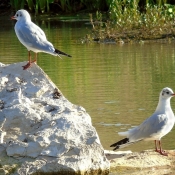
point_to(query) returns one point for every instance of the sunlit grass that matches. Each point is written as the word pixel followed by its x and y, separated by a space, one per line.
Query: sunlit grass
pixel 127 23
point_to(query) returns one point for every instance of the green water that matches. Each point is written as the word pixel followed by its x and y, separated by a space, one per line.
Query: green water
pixel 117 84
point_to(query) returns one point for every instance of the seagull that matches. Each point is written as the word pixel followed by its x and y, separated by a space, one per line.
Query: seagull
pixel 33 37
pixel 154 127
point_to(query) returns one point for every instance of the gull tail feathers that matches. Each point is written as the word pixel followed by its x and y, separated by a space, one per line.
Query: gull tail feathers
pixel 61 53
pixel 123 133
pixel 122 143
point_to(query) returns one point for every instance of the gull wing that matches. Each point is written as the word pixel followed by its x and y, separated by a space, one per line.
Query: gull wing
pixel 151 128
pixel 31 36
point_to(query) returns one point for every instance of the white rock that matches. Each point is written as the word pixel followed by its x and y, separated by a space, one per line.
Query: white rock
pixel 40 123
pixel 2 134
pixel 3 80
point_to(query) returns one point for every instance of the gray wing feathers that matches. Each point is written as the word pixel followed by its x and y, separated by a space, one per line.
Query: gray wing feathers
pixel 150 127
pixel 33 37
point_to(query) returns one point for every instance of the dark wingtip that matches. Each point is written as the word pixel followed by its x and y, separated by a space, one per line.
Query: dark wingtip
pixel 121 142
pixel 112 145
pixel 62 53
pixel 117 147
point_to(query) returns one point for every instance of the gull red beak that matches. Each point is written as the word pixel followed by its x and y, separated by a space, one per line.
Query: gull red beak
pixel 173 95
pixel 13 17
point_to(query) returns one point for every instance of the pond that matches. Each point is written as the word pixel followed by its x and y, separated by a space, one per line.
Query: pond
pixel 118 85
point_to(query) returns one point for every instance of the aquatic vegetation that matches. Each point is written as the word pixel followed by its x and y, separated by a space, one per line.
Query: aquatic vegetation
pixel 127 22
pixel 115 7
pixel 123 20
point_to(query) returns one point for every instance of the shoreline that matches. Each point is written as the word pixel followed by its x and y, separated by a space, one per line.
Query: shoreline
pixel 147 161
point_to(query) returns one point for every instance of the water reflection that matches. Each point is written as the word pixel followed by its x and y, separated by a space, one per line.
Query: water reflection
pixel 118 85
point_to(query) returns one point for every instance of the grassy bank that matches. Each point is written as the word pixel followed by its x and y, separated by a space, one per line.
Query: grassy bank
pixel 127 22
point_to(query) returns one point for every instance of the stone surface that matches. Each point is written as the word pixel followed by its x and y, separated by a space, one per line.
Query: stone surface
pixel 41 131
pixel 145 162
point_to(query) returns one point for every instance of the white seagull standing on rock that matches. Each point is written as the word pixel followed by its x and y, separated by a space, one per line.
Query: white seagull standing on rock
pixel 33 37
pixel 153 128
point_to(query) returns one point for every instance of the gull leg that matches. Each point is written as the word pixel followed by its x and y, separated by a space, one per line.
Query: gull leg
pixel 29 57
pixel 157 150
pixel 35 60
pixel 161 151
pixel 29 63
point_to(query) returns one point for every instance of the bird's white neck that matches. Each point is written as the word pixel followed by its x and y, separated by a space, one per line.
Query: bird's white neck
pixel 163 105
pixel 25 20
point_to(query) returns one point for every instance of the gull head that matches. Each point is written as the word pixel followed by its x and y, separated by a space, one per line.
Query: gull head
pixel 21 15
pixel 166 93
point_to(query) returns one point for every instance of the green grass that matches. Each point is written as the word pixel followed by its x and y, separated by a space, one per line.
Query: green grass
pixel 127 23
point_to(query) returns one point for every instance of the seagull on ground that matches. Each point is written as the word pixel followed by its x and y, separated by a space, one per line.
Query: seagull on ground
pixel 33 37
pixel 154 127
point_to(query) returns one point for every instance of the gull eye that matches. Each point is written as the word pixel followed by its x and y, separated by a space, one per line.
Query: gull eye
pixel 167 92
pixel 17 15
